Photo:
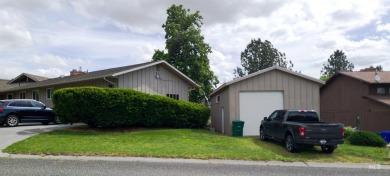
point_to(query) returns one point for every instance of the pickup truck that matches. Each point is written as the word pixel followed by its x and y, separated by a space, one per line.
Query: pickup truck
pixel 299 128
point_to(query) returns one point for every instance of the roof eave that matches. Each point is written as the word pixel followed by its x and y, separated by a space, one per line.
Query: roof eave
pixel 192 83
pixel 48 85
pixel 263 71
pixel 376 100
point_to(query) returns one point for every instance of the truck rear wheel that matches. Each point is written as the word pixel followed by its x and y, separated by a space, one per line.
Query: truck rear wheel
pixel 327 149
pixel 290 144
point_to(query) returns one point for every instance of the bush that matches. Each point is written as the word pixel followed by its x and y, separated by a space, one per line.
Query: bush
pixel 348 132
pixel 365 138
pixel 107 107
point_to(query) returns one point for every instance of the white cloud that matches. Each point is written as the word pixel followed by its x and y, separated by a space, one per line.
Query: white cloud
pixel 50 60
pixel 58 35
pixel 13 33
pixel 221 65
pixel 383 27
pixel 51 72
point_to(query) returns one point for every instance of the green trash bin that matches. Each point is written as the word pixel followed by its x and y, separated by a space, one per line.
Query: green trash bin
pixel 237 127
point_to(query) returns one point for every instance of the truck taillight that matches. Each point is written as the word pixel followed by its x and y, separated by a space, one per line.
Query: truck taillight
pixel 302 131
pixel 342 131
pixel 1 109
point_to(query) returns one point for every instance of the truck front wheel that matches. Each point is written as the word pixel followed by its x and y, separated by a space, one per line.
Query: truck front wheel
pixel 290 144
pixel 262 135
pixel 327 149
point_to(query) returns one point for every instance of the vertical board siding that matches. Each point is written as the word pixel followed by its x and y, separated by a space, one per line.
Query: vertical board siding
pixel 145 80
pixel 342 101
pixel 216 115
pixel 298 93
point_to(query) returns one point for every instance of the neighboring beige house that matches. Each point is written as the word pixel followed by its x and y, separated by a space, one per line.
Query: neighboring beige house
pixel 151 77
pixel 257 95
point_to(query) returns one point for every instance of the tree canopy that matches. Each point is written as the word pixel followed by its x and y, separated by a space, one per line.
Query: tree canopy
pixel 259 55
pixel 336 62
pixel 186 49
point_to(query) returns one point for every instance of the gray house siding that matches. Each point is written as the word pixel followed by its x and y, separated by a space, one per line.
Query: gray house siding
pixel 298 93
pixel 48 102
pixel 145 80
pixel 216 112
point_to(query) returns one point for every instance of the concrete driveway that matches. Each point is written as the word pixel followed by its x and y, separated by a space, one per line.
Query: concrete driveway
pixel 10 135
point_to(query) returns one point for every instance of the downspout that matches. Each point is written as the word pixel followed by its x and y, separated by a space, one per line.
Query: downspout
pixel 109 81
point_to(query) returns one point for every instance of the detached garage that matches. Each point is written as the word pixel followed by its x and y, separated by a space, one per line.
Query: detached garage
pixel 255 96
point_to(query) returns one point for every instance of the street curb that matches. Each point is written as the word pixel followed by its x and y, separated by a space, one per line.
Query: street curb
pixel 200 161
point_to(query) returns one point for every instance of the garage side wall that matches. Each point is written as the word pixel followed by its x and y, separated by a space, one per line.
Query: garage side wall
pixel 216 111
pixel 298 92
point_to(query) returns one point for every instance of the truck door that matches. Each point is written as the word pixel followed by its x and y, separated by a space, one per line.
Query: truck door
pixel 278 125
pixel 273 123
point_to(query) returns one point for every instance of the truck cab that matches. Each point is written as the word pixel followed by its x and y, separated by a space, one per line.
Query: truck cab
pixel 298 128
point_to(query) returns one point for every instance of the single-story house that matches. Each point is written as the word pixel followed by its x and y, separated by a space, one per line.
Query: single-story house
pixel 364 94
pixel 257 95
pixel 152 77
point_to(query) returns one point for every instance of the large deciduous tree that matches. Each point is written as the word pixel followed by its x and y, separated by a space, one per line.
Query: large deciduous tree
pixel 186 49
pixel 259 55
pixel 336 62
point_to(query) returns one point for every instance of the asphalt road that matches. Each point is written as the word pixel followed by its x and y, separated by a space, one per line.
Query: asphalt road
pixel 31 167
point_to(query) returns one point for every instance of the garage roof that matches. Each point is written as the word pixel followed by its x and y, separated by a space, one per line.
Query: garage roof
pixel 263 71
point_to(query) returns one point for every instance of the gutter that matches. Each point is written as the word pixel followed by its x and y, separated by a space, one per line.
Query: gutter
pixel 110 82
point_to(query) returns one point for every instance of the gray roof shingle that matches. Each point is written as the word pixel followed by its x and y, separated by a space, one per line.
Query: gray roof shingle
pixel 70 79
pixel 369 77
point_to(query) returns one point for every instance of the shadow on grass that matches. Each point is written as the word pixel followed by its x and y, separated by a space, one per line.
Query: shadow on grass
pixel 304 153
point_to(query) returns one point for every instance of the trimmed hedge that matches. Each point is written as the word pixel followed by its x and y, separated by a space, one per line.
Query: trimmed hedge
pixel 107 107
pixel 348 132
pixel 365 138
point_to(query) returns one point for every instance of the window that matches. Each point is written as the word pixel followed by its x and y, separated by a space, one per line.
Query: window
pixel 37 104
pixel 10 96
pixel 174 96
pixel 35 95
pixel 218 99
pixel 13 104
pixel 273 115
pixel 22 95
pixel 49 92
pixel 380 90
pixel 24 104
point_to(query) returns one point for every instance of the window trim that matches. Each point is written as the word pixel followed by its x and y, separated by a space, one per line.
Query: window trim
pixel 12 96
pixel 51 93
pixel 174 96
pixel 218 99
pixel 32 95
pixel 21 93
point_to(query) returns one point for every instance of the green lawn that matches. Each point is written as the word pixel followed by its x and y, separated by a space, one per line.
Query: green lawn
pixel 184 143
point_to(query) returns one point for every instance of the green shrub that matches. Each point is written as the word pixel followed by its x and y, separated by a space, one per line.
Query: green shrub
pixel 107 107
pixel 348 132
pixel 365 138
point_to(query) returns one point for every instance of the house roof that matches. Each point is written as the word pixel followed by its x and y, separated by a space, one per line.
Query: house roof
pixel 4 84
pixel 97 74
pixel 383 99
pixel 369 77
pixel 264 71
pixel 23 76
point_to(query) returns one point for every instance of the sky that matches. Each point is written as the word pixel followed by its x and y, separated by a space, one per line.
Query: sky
pixel 52 37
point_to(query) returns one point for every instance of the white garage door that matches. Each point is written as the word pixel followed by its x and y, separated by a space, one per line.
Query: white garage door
pixel 254 106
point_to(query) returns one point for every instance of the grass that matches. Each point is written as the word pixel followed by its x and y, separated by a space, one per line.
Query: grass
pixel 184 143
